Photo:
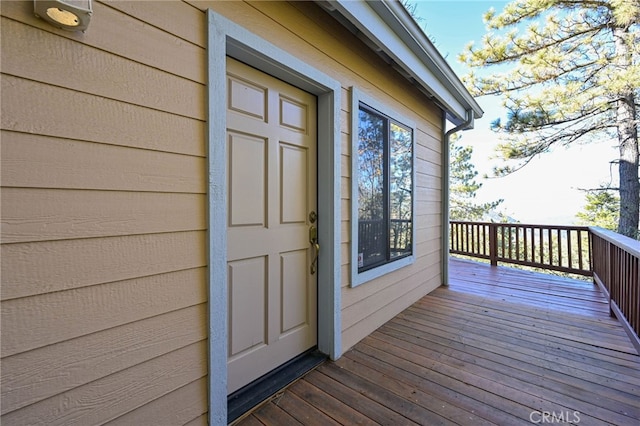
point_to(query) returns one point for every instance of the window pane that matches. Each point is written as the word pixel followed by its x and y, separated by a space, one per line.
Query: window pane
pixel 372 236
pixel 400 191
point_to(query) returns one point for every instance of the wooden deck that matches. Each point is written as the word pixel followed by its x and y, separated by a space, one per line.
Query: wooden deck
pixel 498 346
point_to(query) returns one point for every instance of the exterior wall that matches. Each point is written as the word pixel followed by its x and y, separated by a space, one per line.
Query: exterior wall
pixel 104 313
pixel 104 204
pixel 328 46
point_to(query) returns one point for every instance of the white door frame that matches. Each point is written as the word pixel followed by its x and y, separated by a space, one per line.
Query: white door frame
pixel 225 38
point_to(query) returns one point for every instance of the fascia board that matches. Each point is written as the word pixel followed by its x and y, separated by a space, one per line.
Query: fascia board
pixel 397 17
pixel 381 25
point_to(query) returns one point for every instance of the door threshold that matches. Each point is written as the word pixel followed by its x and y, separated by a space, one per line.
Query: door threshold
pixel 243 400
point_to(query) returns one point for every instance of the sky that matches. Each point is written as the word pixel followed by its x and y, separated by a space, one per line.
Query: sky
pixel 547 190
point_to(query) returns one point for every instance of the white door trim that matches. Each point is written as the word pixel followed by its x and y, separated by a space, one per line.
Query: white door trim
pixel 226 38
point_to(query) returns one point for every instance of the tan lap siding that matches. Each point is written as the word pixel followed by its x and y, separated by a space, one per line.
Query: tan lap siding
pixel 317 39
pixel 104 299
pixel 104 196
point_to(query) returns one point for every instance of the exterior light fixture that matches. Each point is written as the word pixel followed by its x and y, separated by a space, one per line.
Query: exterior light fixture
pixel 70 15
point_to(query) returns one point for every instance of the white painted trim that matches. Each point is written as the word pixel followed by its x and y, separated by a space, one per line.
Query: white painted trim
pixel 217 243
pixel 227 38
pixel 357 96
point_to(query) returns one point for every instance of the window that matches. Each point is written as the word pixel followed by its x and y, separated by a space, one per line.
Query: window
pixel 382 194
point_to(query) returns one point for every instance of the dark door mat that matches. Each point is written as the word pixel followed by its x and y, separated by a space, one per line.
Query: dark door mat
pixel 254 393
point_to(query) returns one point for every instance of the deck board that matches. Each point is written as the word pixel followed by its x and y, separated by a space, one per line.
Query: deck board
pixel 497 346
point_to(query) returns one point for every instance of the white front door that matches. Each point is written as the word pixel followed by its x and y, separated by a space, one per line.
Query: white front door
pixel 272 179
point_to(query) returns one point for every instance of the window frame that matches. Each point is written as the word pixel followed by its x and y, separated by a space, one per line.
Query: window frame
pixel 358 98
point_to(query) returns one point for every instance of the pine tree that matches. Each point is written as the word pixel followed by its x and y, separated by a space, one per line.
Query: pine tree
pixel 463 186
pixel 574 77
pixel 600 210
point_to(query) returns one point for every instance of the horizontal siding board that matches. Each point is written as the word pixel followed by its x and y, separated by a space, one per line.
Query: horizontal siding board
pixel 345 275
pixel 430 130
pixel 35 268
pixel 345 166
pixel 370 297
pixel 345 122
pixel 33 322
pixel 32 161
pixel 428 181
pixel 117 394
pixel 428 194
pixel 345 252
pixel 345 188
pixel 425 220
pixel 39 374
pixel 199 421
pixel 354 333
pixel 431 257
pixel 345 211
pixel 28 53
pixel 381 289
pixel 345 232
pixel 42 214
pixel 431 207
pixel 426 153
pixel 175 17
pixel 96 119
pixel 345 149
pixel 112 31
pixel 345 99
pixel 431 170
pixel 427 234
pixel 428 167
pixel 430 254
pixel 176 408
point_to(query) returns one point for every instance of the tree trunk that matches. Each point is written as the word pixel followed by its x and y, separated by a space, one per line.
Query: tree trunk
pixel 629 155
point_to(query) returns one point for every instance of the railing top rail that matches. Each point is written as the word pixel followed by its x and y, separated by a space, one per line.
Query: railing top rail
pixel 628 244
pixel 525 225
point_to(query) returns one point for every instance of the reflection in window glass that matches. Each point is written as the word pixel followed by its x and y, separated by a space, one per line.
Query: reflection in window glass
pixel 385 190
pixel 400 196
pixel 371 188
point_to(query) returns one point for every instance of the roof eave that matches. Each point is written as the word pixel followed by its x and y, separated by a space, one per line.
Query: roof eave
pixel 388 28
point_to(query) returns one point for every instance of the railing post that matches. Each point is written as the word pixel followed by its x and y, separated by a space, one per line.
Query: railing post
pixel 493 244
pixel 610 278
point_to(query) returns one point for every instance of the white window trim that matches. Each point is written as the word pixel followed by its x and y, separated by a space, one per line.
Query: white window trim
pixel 357 97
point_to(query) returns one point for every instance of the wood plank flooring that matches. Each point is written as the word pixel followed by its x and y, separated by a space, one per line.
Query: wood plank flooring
pixel 498 346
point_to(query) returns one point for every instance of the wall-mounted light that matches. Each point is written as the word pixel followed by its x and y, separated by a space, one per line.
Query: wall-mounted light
pixel 70 15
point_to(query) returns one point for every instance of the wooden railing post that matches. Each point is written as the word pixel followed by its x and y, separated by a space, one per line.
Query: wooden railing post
pixel 610 278
pixel 493 244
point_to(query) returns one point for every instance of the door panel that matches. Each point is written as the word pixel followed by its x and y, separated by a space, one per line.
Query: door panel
pixel 293 182
pixel 294 289
pixel 247 303
pixel 247 177
pixel 271 136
